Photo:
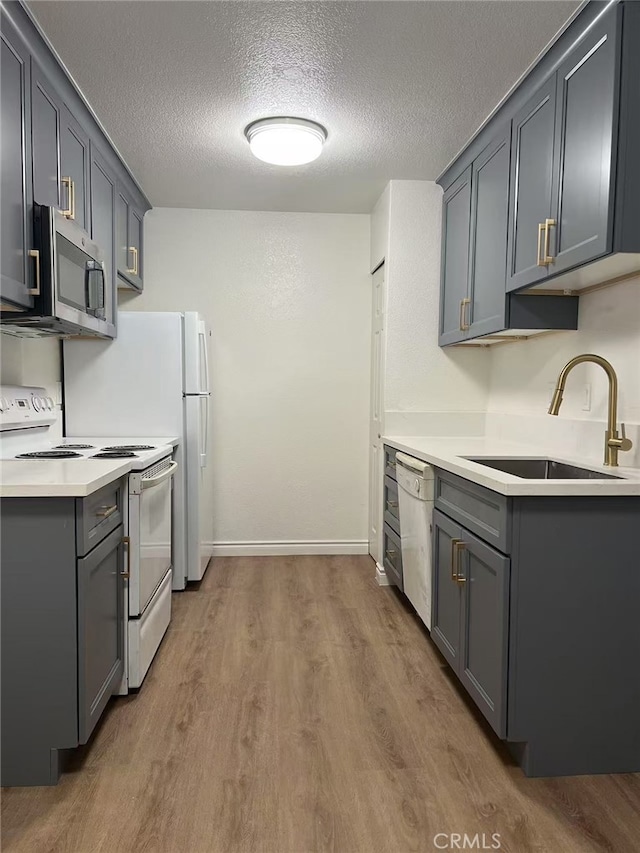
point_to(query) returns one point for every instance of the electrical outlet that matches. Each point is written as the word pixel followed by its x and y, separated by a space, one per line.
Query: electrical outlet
pixel 586 398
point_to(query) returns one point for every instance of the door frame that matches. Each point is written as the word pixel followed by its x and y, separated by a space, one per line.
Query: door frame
pixel 376 420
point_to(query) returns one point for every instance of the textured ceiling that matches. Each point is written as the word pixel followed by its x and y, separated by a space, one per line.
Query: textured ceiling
pixel 400 86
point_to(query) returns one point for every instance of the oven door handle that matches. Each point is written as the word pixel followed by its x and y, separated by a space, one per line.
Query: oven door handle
pixel 150 482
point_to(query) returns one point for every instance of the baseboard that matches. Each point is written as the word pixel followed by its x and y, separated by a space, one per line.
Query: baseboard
pixel 381 576
pixel 282 549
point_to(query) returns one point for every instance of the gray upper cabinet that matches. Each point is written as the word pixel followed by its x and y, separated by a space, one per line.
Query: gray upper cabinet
pixel 100 629
pixel 103 221
pixel 129 241
pixel 582 191
pixel 456 219
pixel 53 149
pixel 74 168
pixel 573 182
pixel 15 187
pixel 531 179
pixel 45 135
pixel 489 212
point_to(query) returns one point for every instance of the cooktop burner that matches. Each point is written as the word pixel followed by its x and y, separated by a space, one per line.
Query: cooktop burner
pixel 113 454
pixel 127 447
pixel 49 454
pixel 74 446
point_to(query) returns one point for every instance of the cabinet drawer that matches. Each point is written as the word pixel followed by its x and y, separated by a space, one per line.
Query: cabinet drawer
pixel 391 510
pixel 390 462
pixel 393 557
pixel 480 510
pixel 98 514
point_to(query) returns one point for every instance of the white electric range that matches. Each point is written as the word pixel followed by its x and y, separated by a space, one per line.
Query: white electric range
pixel 26 415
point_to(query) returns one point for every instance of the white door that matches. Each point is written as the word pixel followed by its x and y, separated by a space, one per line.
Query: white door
pixel 376 462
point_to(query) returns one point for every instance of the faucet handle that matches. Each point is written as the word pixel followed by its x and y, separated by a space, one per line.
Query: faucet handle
pixel 625 443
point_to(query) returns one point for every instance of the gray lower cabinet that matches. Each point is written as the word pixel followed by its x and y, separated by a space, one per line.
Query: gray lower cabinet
pixel 62 628
pixel 129 241
pixel 15 186
pixel 535 609
pixel 100 629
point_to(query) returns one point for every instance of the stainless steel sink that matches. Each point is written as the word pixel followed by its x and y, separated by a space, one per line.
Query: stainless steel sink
pixel 542 469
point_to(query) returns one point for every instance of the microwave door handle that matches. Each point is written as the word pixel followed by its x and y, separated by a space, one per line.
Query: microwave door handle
pixel 100 310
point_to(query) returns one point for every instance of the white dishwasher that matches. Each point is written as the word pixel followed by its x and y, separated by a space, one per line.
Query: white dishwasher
pixel 415 498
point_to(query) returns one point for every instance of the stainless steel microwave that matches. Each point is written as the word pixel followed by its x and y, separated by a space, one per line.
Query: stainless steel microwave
pixel 71 295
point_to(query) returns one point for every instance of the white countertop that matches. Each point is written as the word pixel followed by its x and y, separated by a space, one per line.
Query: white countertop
pixel 448 453
pixel 76 478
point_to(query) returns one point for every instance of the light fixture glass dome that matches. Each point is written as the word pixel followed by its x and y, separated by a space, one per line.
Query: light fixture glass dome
pixel 286 141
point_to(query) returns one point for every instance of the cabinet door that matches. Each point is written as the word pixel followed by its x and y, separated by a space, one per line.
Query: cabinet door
pixel 483 647
pixel 123 256
pixel 531 180
pixel 135 245
pixel 456 221
pixel 15 186
pixel 447 592
pixel 103 200
pixel 74 168
pixel 100 629
pixel 586 84
pixel 489 216
pixel 45 138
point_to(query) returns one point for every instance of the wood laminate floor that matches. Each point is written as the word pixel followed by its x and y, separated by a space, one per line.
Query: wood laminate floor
pixel 296 707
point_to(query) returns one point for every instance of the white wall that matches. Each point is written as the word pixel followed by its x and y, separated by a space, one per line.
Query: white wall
pixel 420 376
pixel 33 361
pixel 287 296
pixel 609 325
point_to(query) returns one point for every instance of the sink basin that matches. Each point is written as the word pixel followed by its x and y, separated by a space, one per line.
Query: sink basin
pixel 542 469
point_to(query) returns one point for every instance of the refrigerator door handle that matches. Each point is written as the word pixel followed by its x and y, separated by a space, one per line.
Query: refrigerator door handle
pixel 204 429
pixel 204 358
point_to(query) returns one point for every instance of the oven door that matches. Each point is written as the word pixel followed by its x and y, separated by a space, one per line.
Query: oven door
pixel 149 532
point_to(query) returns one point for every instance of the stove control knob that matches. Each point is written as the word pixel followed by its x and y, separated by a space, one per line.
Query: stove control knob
pixel 4 404
pixel 37 403
pixel 50 404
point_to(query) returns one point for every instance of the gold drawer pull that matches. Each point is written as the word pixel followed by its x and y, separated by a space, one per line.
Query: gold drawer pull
pixel 464 325
pixel 548 224
pixel 390 555
pixel 393 504
pixel 457 547
pixel 134 253
pixel 106 511
pixel 539 260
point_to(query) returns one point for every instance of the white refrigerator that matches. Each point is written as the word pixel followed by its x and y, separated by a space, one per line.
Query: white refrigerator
pixel 153 379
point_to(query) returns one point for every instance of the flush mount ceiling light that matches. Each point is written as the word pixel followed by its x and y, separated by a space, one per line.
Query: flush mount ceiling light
pixel 285 141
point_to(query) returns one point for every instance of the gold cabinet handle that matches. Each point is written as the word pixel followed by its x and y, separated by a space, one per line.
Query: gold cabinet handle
pixel 390 555
pixel 106 511
pixel 539 261
pixel 68 211
pixel 464 325
pixel 134 253
pixel 35 291
pixel 548 224
pixel 393 504
pixel 126 541
pixel 457 547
